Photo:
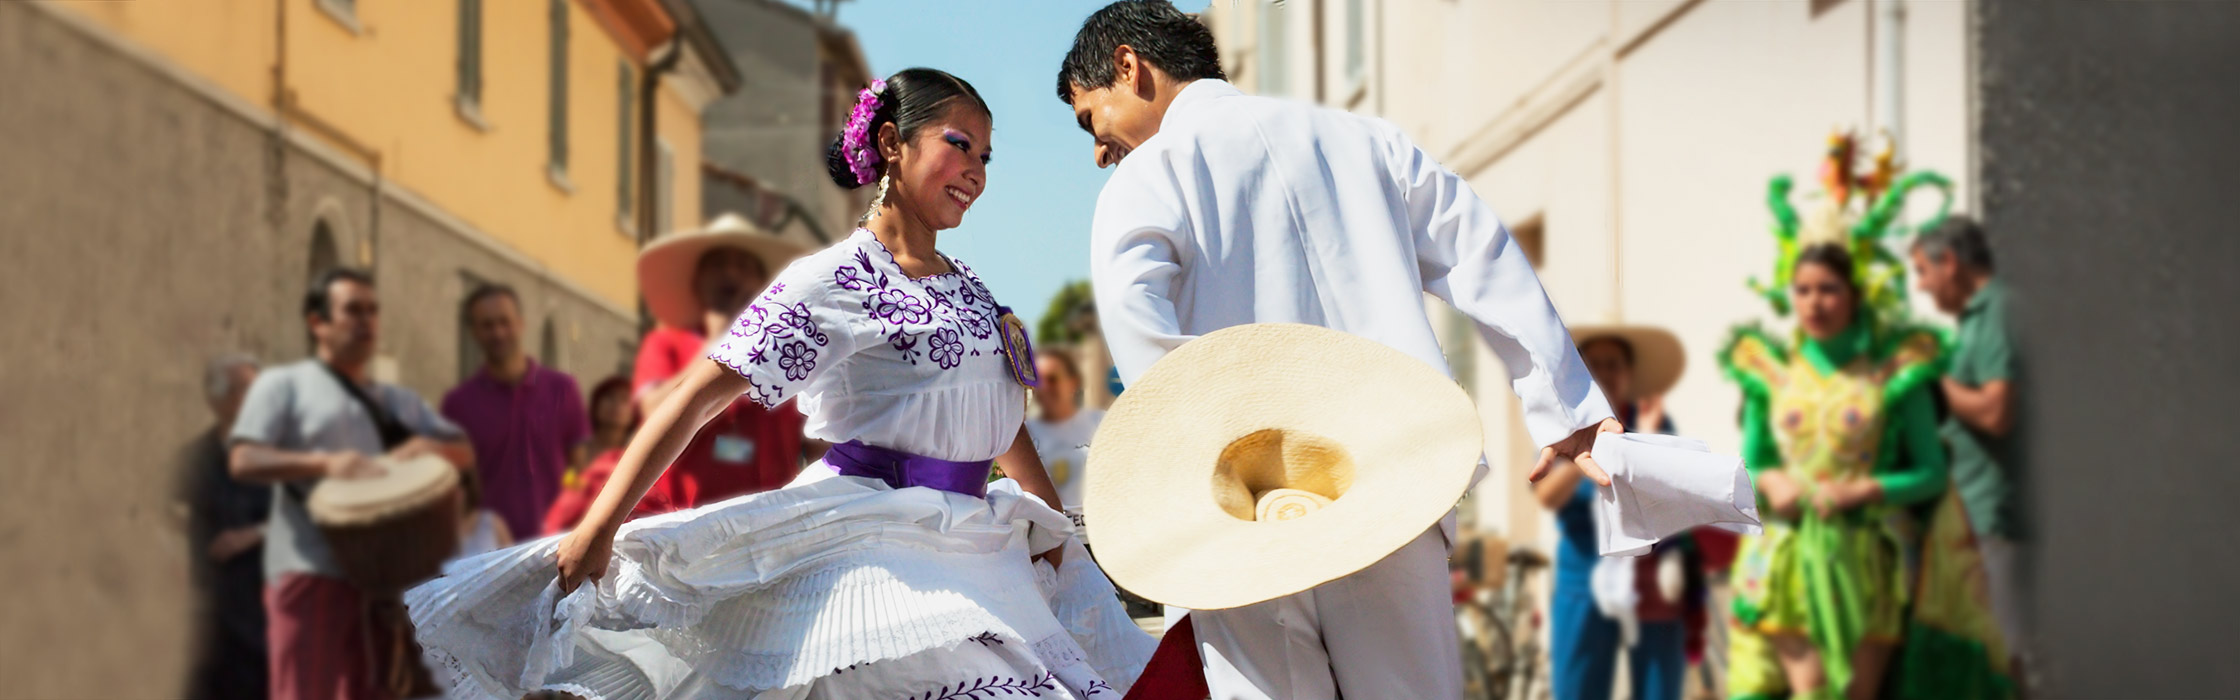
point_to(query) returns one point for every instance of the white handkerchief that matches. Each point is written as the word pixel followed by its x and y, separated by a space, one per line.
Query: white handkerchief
pixel 554 646
pixel 1661 485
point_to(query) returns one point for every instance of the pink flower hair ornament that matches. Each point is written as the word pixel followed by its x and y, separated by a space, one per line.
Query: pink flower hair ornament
pixel 856 143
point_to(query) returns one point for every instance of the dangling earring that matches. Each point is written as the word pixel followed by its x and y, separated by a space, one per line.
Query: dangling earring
pixel 877 200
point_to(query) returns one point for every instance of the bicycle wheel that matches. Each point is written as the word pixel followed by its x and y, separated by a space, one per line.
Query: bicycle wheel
pixel 1484 647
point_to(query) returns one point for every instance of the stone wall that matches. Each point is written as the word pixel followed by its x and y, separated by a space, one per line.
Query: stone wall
pixel 149 223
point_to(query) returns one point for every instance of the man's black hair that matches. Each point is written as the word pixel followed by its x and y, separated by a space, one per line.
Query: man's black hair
pixel 1163 36
pixel 315 300
pixel 1625 347
pixel 487 290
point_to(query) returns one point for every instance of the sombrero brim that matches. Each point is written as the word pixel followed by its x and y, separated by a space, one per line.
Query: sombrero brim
pixel 1411 434
pixel 665 268
pixel 1658 358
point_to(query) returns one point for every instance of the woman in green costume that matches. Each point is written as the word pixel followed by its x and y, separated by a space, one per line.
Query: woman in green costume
pixel 1840 434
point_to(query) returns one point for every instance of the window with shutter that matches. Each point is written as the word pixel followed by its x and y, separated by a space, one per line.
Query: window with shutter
pixel 470 54
pixel 558 101
pixel 626 102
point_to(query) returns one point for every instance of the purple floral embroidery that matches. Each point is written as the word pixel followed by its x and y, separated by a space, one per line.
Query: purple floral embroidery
pixel 793 322
pixel 749 321
pixel 947 348
pixel 985 638
pixel 767 396
pixel 779 288
pixel 851 279
pixel 992 686
pixel 900 307
pixel 977 286
pixel 977 323
pixel 944 310
pixel 797 359
pixel 928 319
pixel 772 331
pixel 797 317
pixel 905 343
pixel 871 275
pixel 1096 688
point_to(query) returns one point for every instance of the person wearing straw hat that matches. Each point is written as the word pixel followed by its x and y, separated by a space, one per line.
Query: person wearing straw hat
pixel 694 284
pixel 1226 209
pixel 893 567
pixel 1634 366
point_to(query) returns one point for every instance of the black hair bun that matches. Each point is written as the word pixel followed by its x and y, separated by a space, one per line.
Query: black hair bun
pixel 836 165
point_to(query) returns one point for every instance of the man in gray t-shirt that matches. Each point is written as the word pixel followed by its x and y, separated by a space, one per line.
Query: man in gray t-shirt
pixel 300 424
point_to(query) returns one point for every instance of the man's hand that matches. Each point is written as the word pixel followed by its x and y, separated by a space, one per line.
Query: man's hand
pixel 584 555
pixel 418 446
pixel 351 465
pixel 458 453
pixel 1781 492
pixel 1577 448
pixel 232 543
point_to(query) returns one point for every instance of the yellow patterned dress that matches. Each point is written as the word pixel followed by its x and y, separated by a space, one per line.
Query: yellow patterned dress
pixel 1853 406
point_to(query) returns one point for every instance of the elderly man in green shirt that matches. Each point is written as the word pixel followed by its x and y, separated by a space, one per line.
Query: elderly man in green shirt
pixel 1953 264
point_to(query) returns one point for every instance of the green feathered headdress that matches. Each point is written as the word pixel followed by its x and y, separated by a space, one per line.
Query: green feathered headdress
pixel 1859 211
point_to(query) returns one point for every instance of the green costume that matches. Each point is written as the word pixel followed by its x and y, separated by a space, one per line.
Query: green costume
pixel 1856 405
pixel 1823 412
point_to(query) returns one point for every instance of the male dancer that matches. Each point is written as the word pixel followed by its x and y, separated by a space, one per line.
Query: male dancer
pixel 1227 209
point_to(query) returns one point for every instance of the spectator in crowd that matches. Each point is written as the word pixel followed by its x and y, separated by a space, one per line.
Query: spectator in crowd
pixel 1061 432
pixel 225 540
pixel 613 419
pixel 695 284
pixel 526 420
pixel 1953 265
pixel 1634 366
pixel 320 418
pixel 613 416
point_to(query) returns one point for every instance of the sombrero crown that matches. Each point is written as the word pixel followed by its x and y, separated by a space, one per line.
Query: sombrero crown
pixel 1259 461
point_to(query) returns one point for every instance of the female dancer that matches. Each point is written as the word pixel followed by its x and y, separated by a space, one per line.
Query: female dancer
pixel 889 569
pixel 1840 433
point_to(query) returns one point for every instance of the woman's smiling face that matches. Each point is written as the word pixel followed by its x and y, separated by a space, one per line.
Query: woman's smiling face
pixel 941 172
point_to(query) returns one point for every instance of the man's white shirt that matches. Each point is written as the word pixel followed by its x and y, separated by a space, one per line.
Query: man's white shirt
pixel 1247 209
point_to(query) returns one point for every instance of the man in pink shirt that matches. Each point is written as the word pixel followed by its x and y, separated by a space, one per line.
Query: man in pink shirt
pixel 527 421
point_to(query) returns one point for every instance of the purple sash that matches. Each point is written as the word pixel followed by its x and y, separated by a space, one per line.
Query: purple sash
pixel 903 470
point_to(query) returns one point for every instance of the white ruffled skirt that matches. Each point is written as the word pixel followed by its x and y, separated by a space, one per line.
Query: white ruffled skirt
pixel 833 587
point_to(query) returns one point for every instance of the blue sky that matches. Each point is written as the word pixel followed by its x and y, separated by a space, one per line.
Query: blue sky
pixel 1029 233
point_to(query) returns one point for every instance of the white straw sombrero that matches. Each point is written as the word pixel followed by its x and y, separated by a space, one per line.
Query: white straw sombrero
pixel 1657 355
pixel 666 266
pixel 1259 461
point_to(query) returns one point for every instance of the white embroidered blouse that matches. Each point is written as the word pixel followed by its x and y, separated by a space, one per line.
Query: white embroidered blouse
pixel 872 354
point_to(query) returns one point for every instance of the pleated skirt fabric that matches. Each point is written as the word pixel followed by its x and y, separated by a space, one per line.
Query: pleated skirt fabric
pixel 833 587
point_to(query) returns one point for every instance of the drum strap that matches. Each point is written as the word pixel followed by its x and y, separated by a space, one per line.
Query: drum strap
pixel 393 433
